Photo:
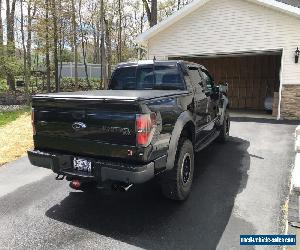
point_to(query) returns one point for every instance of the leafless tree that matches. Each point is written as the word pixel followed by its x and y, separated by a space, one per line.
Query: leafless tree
pixel 75 45
pixel 103 51
pixel 83 44
pixel 10 27
pixel 48 66
pixel 151 12
pixel 55 44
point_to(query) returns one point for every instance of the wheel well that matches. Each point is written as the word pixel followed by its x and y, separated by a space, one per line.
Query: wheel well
pixel 188 131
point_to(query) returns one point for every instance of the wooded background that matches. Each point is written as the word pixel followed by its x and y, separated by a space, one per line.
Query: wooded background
pixel 37 36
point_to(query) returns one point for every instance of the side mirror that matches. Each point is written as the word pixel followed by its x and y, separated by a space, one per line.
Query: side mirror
pixel 223 87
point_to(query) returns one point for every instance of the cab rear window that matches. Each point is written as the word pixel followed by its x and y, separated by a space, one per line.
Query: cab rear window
pixel 147 77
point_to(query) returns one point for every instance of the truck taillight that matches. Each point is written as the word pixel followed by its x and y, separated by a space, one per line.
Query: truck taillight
pixel 32 122
pixel 145 125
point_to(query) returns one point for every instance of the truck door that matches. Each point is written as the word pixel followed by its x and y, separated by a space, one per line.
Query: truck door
pixel 212 104
pixel 200 102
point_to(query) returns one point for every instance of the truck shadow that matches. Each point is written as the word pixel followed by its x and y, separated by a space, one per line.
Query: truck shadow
pixel 143 218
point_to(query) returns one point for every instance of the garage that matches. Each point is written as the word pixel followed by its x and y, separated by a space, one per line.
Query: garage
pixel 251 44
pixel 251 78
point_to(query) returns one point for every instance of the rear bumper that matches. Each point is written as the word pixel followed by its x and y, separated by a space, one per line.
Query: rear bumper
pixel 102 170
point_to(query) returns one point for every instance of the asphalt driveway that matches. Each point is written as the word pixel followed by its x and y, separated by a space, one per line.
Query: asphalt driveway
pixel 239 188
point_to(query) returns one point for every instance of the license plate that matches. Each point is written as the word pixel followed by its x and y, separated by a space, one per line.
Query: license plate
pixel 83 165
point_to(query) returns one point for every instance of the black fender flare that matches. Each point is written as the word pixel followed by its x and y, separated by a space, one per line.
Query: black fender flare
pixel 182 120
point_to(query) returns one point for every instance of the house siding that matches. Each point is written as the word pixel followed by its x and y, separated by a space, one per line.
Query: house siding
pixel 232 26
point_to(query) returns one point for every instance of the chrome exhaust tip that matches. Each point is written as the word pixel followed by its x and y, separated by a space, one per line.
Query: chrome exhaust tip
pixel 121 187
pixel 126 188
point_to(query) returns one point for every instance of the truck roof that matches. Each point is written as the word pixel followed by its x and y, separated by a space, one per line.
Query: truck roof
pixel 157 62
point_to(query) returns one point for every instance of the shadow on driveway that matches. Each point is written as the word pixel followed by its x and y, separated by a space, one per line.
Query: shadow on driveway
pixel 143 218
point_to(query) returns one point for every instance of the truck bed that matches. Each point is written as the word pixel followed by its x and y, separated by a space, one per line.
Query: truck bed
pixel 108 117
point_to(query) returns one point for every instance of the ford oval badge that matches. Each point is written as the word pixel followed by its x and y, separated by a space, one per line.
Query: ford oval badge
pixel 78 125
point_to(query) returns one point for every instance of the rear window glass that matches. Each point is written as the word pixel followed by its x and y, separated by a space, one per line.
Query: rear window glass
pixel 148 77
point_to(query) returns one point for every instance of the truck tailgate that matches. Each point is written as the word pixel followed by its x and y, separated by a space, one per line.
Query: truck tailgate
pixel 87 127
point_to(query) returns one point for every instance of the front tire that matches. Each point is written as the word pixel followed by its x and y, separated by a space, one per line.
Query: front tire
pixel 176 184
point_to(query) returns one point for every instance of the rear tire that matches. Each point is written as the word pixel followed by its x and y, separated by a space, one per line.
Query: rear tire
pixel 176 184
pixel 225 128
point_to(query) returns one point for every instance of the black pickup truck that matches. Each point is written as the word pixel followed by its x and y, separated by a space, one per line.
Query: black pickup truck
pixel 150 122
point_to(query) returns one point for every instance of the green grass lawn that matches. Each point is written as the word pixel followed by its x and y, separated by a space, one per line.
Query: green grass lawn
pixel 9 116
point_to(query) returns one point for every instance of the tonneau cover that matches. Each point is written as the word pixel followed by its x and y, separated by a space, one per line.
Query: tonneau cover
pixel 130 95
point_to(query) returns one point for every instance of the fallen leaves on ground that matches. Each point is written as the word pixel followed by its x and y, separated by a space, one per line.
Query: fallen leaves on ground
pixel 15 139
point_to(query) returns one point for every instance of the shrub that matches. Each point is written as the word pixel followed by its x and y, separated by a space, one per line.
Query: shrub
pixel 3 85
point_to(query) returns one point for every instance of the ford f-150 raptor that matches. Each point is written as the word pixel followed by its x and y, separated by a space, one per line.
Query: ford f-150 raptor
pixel 150 122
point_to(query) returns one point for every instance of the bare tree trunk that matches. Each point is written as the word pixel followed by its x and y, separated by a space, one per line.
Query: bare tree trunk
pixel 28 46
pixel 61 45
pixel 119 32
pixel 61 62
pixel 96 37
pixel 142 18
pixel 83 47
pixel 61 48
pixel 84 53
pixel 1 31
pixel 48 69
pixel 95 46
pixel 55 43
pixel 148 11
pixel 30 16
pixel 99 41
pixel 103 53
pixel 10 26
pixel 94 25
pixel 108 46
pixel 151 13
pixel 25 69
pixel 37 62
pixel 74 26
